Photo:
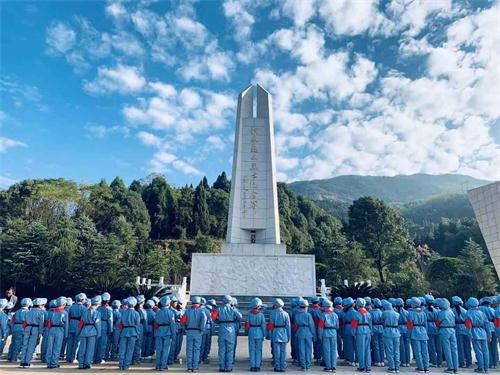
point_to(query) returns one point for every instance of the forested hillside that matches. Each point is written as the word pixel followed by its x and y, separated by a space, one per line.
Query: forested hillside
pixel 61 237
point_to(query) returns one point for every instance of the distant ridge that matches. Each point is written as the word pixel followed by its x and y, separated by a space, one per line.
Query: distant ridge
pixel 399 189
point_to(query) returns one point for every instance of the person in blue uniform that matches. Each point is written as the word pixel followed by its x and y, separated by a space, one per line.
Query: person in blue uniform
pixel 194 322
pixel 255 327
pixel 293 340
pixel 206 344
pixel 106 322
pixel 489 312
pixel 362 323
pixel 377 332
pixel 446 324
pixel 339 310
pixel 404 343
pixel 224 317
pixel 57 326
pixel 305 329
pixel 4 324
pixel 90 331
pixel 328 324
pixel 435 352
pixel 280 333
pixel 314 310
pixel 349 331
pixel 479 331
pixel 149 344
pixel 17 322
pixel 113 352
pixel 463 339
pixel 392 336
pixel 33 328
pixel 164 330
pixel 69 303
pixel 417 327
pixel 178 311
pixel 128 323
pixel 497 319
pixel 45 333
pixel 74 315
pixel 141 329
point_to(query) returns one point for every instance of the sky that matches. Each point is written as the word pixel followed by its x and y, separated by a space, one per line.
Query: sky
pixel 99 89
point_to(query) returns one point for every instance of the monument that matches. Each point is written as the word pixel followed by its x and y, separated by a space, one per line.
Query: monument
pixel 252 261
pixel 485 201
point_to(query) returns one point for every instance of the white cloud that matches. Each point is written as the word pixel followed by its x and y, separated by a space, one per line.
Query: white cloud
pixel 240 17
pixel 306 45
pixel 212 64
pixel 299 10
pixel 60 37
pixel 122 79
pixel 6 143
pixel 100 131
pixel 149 139
pixel 164 90
pixel 3 116
pixel 216 142
pixel 162 160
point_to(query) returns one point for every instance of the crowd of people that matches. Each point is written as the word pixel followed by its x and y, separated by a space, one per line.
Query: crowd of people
pixel 363 332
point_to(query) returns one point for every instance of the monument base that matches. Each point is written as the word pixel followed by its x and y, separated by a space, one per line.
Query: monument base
pixel 253 275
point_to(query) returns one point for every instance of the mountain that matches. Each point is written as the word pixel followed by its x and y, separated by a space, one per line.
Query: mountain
pixel 394 190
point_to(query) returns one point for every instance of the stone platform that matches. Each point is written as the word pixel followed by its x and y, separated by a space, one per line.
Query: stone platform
pixel 253 275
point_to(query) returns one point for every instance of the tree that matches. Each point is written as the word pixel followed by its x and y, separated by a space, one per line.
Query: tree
pixel 102 207
pixel 201 216
pixel 479 275
pixel 222 183
pixel 444 274
pixel 381 232
pixel 161 205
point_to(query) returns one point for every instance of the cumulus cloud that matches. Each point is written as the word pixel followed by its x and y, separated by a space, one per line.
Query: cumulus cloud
pixel 100 131
pixel 7 143
pixel 122 79
pixel 60 37
pixel 5 182
pixel 149 139
pixel 162 160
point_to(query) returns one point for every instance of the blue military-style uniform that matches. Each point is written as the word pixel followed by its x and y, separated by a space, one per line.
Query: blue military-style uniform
pixel 305 329
pixel 106 316
pixel 417 327
pixel 404 343
pixel 280 333
pixel 435 352
pixel 128 323
pixel 4 324
pixel 194 321
pixel 149 344
pixel 116 306
pixel 314 310
pixel 446 324
pixel 338 309
pixel 141 329
pixel 206 342
pixel 57 327
pixel 362 323
pixel 392 336
pixel 164 330
pixel 90 331
pixel 349 331
pixel 328 324
pixel 489 312
pixel 226 316
pixel 463 339
pixel 478 326
pixel 74 315
pixel 177 339
pixel 33 328
pixel 16 324
pixel 377 332
pixel 256 328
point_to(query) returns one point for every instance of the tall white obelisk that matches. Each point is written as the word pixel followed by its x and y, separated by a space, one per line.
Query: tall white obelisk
pixel 253 262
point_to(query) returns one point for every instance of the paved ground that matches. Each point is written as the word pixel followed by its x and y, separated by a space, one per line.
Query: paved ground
pixel 147 368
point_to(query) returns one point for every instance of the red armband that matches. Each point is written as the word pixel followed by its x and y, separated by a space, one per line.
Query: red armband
pixel 25 324
pixel 49 324
pixel 468 323
pixel 155 308
pixel 184 319
pixel 270 326
pixel 155 326
pixel 80 324
pixel 120 326
pixel 247 326
pixel 295 328
pixel 409 324
pixel 214 314
pixel 321 323
pixel 14 319
pixel 354 323
pixel 497 322
pixel 438 323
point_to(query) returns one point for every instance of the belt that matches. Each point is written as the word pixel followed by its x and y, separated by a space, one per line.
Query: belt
pixel 56 325
pixel 363 324
pixel 402 324
pixel 129 327
pixel 418 325
pixel 32 325
pixel 377 324
pixel 446 327
pixel 492 320
pixel 431 321
pixel 459 322
pixel 255 325
pixel 20 323
pixel 104 320
pixel 163 325
pixel 302 325
pixel 391 326
pixel 226 321
pixel 329 328
pixel 74 318
pixel 193 329
pixel 283 326
pixel 89 324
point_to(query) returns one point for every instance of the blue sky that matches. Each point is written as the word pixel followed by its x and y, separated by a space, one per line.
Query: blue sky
pixel 93 90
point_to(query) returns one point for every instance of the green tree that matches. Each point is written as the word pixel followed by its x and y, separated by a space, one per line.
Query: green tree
pixel 201 216
pixel 204 244
pixel 161 205
pixel 382 233
pixel 444 275
pixel 222 183
pixel 478 275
